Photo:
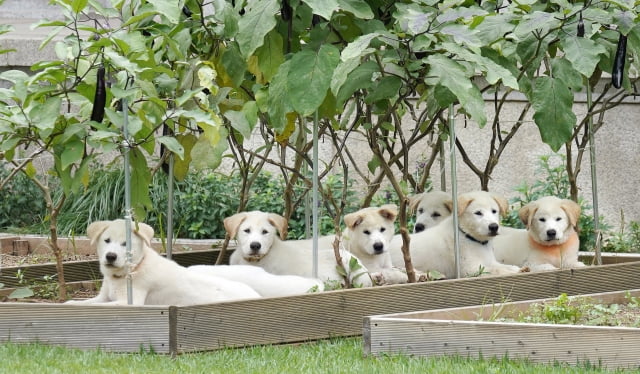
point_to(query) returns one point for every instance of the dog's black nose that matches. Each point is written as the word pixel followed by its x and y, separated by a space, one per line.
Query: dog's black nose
pixel 378 247
pixel 111 257
pixel 418 227
pixel 551 233
pixel 255 246
pixel 493 228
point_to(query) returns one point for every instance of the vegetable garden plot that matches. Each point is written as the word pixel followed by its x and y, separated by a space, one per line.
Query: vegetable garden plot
pixel 175 330
pixel 470 331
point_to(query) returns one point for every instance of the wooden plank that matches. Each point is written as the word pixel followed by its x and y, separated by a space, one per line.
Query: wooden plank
pixel 110 328
pixel 459 331
pixel 76 271
pixel 340 313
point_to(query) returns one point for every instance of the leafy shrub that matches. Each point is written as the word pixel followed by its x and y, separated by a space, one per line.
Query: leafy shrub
pixel 625 239
pixel 21 202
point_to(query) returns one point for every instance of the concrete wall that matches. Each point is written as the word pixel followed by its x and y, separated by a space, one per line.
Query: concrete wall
pixel 617 150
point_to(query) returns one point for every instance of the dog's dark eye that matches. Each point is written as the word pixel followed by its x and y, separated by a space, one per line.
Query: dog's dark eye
pixel 382 229
pixel 435 215
pixel 494 211
pixel 248 231
pixel 367 232
pixel 559 219
pixel 542 220
pixel 420 211
pixel 265 232
pixel 107 240
pixel 124 244
pixel 478 213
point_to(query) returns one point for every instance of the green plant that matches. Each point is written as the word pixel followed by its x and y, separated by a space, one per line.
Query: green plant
pixel 626 239
pixel 21 202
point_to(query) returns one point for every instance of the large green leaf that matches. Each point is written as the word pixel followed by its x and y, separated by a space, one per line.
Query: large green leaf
pixel 583 53
pixel 453 76
pixel 552 102
pixel 71 153
pixel 172 144
pixel 239 122
pixel 324 8
pixel 140 181
pixel 258 20
pixel 537 21
pixel 310 77
pixel 359 8
pixel 208 150
pixel 386 88
pixel 494 72
pixel 181 166
pixel 234 65
pixel 277 104
pixel 360 78
pixel 270 55
pixel 45 115
pixel 168 8
pixel 358 47
pixel 565 71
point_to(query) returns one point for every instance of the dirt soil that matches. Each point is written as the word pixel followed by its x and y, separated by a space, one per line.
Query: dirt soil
pixel 33 259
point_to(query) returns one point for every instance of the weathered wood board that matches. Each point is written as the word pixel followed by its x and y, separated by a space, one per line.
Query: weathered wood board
pixel 469 332
pixel 289 319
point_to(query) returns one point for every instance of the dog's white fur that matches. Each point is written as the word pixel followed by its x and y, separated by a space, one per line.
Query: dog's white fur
pixel 550 240
pixel 368 236
pixel 478 218
pixel 430 208
pixel 155 279
pixel 265 283
pixel 258 244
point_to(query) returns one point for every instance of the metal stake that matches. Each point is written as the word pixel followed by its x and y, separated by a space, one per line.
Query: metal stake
pixel 314 192
pixel 594 179
pixel 454 189
pixel 127 199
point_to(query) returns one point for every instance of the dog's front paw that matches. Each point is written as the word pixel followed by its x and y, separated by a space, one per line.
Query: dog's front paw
pixel 378 278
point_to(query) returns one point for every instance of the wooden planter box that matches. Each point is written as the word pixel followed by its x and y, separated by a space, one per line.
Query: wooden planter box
pixel 174 330
pixel 464 331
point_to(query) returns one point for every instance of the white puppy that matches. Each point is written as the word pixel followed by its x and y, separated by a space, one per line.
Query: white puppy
pixel 155 279
pixel 478 223
pixel 368 236
pixel 259 245
pixel 430 208
pixel 550 240
pixel 267 284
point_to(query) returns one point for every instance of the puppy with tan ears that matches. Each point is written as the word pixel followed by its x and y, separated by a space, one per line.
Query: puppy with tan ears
pixel 550 240
pixel 430 208
pixel 155 279
pixel 478 225
pixel 368 236
pixel 258 244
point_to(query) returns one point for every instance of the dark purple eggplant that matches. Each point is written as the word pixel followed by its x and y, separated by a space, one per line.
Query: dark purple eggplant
pixel 580 27
pixel 618 63
pixel 100 98
pixel 286 11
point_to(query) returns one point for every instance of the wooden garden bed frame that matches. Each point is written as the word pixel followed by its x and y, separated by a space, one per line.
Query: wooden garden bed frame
pixel 469 332
pixel 174 330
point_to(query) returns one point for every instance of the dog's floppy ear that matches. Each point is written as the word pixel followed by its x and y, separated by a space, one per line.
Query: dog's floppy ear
pixel 95 229
pixel 572 209
pixel 280 223
pixel 352 220
pixel 527 212
pixel 232 223
pixel 463 203
pixel 414 201
pixel 388 212
pixel 503 204
pixel 144 231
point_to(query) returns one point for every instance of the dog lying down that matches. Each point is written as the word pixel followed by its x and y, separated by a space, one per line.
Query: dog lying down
pixel 258 244
pixel 478 222
pixel 155 279
pixel 430 208
pixel 266 284
pixel 550 240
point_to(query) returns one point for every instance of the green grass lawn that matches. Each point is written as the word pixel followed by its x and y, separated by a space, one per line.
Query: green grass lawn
pixel 330 356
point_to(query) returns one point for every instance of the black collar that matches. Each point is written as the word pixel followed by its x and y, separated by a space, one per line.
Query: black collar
pixel 482 242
